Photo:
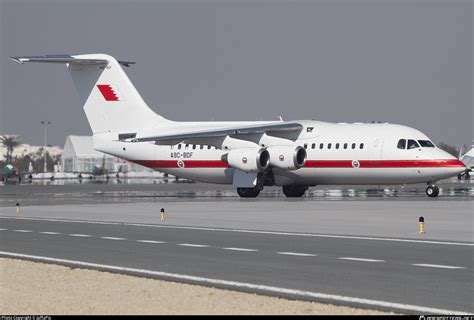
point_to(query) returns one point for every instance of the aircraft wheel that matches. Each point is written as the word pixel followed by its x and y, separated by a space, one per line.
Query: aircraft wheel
pixel 294 191
pixel 248 192
pixel 432 191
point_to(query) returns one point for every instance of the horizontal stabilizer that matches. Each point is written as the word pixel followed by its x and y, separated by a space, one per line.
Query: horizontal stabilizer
pixel 64 58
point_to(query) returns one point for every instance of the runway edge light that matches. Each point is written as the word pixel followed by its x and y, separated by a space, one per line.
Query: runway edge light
pixel 18 208
pixel 162 214
pixel 421 225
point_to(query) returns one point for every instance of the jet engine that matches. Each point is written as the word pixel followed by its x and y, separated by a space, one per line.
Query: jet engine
pixel 248 159
pixel 287 157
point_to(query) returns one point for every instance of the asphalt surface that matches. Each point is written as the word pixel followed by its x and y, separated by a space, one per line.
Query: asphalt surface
pixel 356 246
pixel 73 192
pixel 427 274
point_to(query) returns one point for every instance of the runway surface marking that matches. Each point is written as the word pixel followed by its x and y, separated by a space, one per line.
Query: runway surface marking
pixel 3 229
pixel 242 285
pixel 469 244
pixel 238 249
pixel 193 245
pixel 361 259
pixel 298 254
pixel 150 241
pixel 437 266
pixel 241 249
pixel 112 238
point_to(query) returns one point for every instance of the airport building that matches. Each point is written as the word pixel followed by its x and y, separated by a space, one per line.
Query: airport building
pixel 79 156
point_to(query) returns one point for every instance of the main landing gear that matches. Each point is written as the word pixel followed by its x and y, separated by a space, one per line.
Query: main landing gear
pixel 294 190
pixel 432 190
pixel 291 191
pixel 248 192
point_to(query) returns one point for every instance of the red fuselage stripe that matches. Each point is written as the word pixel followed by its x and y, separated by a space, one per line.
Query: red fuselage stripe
pixel 311 163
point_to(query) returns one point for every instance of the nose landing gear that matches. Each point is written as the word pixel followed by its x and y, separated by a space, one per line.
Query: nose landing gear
pixel 432 190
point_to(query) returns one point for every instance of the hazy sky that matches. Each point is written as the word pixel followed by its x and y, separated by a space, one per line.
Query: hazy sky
pixel 406 62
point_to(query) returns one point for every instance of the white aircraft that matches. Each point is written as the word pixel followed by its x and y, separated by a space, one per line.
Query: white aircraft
pixel 250 154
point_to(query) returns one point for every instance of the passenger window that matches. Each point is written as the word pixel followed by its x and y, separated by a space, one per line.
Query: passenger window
pixel 329 146
pixel 412 144
pixel 401 144
pixel 209 147
pixel 202 146
pixel 194 146
pixel 426 143
pixel 361 146
pixel 179 146
pixel 186 146
pixel 353 146
pixel 337 145
pixel 313 146
pixel 321 146
pixel 306 146
pixel 345 145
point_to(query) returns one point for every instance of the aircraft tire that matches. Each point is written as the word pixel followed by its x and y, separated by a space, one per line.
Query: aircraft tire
pixel 432 191
pixel 294 191
pixel 248 192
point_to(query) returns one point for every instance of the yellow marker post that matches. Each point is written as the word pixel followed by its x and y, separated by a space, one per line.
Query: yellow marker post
pixel 162 214
pixel 421 225
pixel 18 208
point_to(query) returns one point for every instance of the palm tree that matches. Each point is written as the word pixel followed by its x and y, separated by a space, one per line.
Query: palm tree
pixel 9 142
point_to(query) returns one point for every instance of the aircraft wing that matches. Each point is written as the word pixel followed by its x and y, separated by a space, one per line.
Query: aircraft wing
pixel 271 128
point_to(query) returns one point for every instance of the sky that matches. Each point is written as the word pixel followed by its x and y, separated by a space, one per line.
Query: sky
pixel 406 62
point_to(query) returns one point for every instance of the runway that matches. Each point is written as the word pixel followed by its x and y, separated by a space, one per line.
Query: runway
pixel 408 274
pixel 356 253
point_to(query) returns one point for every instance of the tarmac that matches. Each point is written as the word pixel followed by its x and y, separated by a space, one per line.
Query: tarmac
pixel 334 250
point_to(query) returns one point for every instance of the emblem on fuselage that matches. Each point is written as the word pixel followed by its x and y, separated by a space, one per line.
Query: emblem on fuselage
pixel 281 157
pixel 244 160
pixel 180 163
pixel 355 164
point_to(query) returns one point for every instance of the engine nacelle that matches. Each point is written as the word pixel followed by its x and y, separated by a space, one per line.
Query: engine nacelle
pixel 287 157
pixel 248 159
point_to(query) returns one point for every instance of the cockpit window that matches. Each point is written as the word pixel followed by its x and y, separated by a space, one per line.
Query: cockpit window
pixel 401 144
pixel 412 144
pixel 426 143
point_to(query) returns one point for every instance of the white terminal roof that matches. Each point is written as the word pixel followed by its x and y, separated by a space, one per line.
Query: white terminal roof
pixel 80 146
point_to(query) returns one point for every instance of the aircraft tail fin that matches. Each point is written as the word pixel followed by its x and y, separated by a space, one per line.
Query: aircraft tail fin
pixel 111 102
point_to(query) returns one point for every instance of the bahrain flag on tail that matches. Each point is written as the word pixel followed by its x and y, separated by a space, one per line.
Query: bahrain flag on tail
pixel 109 92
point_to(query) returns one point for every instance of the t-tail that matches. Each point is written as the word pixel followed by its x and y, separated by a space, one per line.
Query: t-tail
pixel 111 102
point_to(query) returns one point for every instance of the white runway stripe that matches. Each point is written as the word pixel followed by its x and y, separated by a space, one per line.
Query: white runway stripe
pixel 22 231
pixel 297 254
pixel 3 229
pixel 193 245
pixel 79 235
pixel 360 259
pixel 49 232
pixel 242 285
pixel 150 241
pixel 469 244
pixel 112 238
pixel 240 249
pixel 437 266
